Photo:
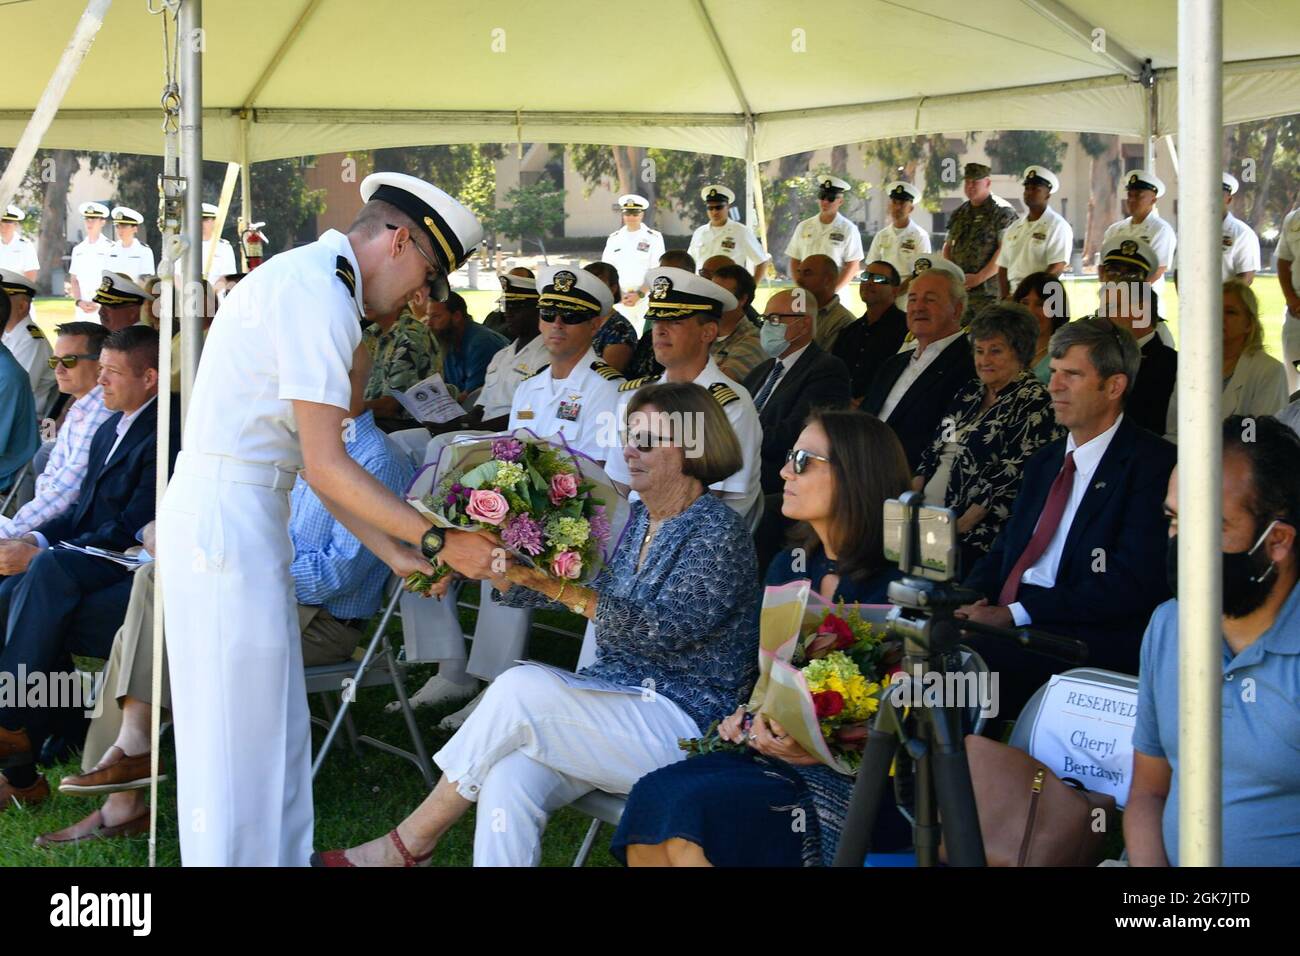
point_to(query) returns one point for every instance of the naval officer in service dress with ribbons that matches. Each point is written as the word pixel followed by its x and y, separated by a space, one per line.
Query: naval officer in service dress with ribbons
pixel 270 399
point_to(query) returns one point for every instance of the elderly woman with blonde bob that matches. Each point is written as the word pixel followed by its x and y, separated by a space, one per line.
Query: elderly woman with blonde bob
pixel 1254 383
pixel 676 614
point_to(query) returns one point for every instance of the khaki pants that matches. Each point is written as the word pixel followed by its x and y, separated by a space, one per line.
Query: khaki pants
pixel 129 671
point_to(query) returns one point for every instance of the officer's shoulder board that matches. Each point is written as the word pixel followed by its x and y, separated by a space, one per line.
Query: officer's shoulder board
pixel 343 269
pixel 35 332
pixel 537 373
pixel 723 394
pixel 607 372
pixel 636 383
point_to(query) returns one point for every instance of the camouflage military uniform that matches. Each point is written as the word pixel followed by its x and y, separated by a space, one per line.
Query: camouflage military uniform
pixel 407 353
pixel 975 232
pixel 740 352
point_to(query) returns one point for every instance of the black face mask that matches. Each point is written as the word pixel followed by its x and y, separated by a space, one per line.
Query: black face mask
pixel 1248 576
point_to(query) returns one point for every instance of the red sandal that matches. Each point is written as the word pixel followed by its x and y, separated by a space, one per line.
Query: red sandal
pixel 331 858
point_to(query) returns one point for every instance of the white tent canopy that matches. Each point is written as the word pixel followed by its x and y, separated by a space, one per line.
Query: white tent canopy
pixel 298 77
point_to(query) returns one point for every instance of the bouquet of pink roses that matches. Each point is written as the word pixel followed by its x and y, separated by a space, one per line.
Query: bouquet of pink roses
pixel 552 507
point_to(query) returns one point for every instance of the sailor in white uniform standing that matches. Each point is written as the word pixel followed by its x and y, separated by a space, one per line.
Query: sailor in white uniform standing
pixel 1240 244
pixel 17 252
pixel 900 241
pixel 26 341
pixel 89 259
pixel 1141 190
pixel 128 255
pixel 270 399
pixel 632 250
pixel 724 236
pixel 223 259
pixel 1039 241
pixel 829 233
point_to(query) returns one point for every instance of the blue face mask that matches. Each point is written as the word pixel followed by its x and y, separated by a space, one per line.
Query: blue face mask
pixel 772 339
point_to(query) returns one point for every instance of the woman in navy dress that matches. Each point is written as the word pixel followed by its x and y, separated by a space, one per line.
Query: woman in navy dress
pixel 739 808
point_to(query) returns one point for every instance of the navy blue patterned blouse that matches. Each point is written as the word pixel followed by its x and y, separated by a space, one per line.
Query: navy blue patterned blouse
pixel 617 330
pixel 687 619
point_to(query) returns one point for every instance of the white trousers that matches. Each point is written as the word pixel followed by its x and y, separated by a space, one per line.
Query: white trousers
pixel 239 697
pixel 1291 349
pixel 535 745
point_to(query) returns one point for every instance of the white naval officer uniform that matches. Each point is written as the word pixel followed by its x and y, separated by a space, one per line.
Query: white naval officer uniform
pixel 899 247
pixel 1288 249
pixel 1240 248
pixel 135 260
pixel 32 350
pixel 732 239
pixel 19 255
pixel 583 408
pixel 1155 232
pixel 839 239
pixel 508 368
pixel 632 254
pixel 223 260
pixel 1029 247
pixel 243 741
pixel 89 260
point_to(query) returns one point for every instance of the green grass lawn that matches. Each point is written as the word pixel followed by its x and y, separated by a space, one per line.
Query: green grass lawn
pixel 357 796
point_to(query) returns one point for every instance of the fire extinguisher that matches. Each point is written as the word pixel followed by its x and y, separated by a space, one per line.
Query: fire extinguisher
pixel 251 240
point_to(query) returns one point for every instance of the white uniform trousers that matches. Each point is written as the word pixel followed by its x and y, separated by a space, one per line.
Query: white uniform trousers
pixel 535 744
pixel 1291 348
pixel 239 700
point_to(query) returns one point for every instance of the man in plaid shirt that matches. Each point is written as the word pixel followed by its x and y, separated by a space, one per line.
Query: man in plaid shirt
pixel 76 371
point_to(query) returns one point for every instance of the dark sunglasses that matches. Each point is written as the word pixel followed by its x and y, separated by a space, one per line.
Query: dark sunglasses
pixel 645 442
pixel 715 206
pixel 435 279
pixel 800 457
pixel 69 361
pixel 568 318
pixel 876 278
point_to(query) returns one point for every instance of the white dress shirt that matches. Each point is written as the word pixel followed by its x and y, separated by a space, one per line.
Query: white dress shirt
pixel 1087 457
pixel 919 362
pixel 1240 247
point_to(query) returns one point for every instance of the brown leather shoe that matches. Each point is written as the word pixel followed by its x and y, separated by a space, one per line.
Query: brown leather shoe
pixel 115 772
pixel 15 748
pixel 93 828
pixel 38 792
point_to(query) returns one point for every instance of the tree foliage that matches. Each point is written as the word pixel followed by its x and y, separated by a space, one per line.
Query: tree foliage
pixel 1014 149
pixel 531 212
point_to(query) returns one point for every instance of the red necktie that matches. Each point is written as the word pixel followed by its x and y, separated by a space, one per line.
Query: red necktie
pixel 1048 522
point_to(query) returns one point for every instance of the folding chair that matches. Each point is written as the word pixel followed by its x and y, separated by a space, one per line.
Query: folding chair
pixel 602 807
pixel 13 489
pixel 348 677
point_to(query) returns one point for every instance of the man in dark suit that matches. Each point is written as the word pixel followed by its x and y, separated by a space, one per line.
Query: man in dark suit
pixel 785 389
pixel 56 602
pixel 914 388
pixel 874 339
pixel 803 376
pixel 1083 553
pixel 1126 298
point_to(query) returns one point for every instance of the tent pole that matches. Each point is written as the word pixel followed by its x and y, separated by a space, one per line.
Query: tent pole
pixel 1200 444
pixel 755 217
pixel 191 69
pixel 245 186
pixel 1149 133
pixel 69 63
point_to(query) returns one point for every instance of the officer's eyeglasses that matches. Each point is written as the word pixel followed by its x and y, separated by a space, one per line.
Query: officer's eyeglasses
pixel 69 361
pixel 798 459
pixel 876 278
pixel 715 207
pixel 435 279
pixel 778 318
pixel 568 318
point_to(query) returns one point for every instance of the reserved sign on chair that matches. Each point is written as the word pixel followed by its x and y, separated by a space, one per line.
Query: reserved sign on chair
pixel 1084 730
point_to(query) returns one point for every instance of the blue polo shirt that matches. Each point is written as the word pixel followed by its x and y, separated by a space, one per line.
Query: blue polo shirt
pixel 466 365
pixel 1261 735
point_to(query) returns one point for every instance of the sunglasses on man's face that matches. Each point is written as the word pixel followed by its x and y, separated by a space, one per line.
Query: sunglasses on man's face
pixel 876 278
pixel 798 458
pixel 69 361
pixel 715 207
pixel 568 318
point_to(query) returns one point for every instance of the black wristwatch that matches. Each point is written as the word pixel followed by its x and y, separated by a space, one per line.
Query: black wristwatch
pixel 431 543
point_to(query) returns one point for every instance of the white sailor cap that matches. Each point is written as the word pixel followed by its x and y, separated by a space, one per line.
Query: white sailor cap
pixel 678 294
pixel 452 230
pixel 1230 184
pixel 13 214
pixel 1041 174
pixel 937 263
pixel 566 289
pixel 15 283
pixel 1143 179
pixel 209 211
pixel 901 190
pixel 93 210
pixel 515 287
pixel 118 289
pixel 631 202
pixel 717 193
pixel 124 216
pixel 1131 252
pixel 830 187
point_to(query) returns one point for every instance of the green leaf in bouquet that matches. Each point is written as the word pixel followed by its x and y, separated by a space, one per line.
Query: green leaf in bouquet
pixel 481 475
pixel 537 480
